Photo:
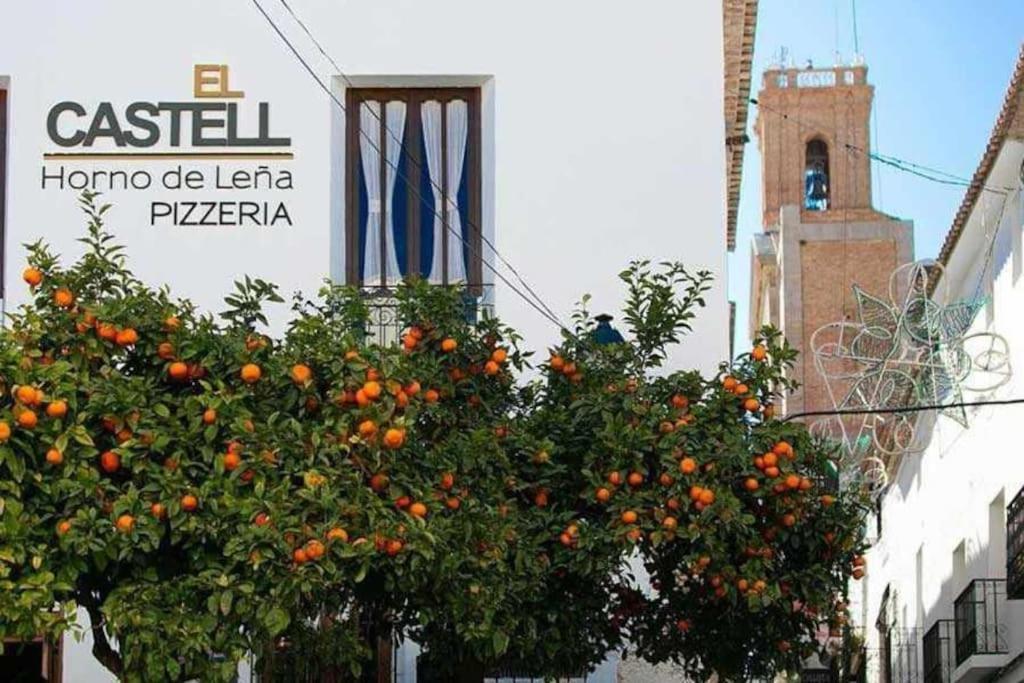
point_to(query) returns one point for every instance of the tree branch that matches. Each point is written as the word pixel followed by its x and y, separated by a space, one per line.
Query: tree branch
pixel 101 649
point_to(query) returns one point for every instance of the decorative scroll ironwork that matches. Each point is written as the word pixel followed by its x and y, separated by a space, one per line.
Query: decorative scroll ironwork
pixel 938 652
pixel 1015 547
pixel 385 325
pixel 980 619
pixel 913 349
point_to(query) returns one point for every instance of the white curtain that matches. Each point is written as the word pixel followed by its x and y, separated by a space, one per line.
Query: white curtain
pixel 458 125
pixel 369 126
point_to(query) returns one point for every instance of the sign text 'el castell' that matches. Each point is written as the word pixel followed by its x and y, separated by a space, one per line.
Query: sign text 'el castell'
pixel 140 146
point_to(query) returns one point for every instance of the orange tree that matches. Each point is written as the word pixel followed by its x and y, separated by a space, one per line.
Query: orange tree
pixel 203 490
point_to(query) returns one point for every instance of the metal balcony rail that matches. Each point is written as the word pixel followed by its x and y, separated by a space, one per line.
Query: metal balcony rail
pixel 979 614
pixel 903 655
pixel 1015 547
pixel 937 649
pixel 385 325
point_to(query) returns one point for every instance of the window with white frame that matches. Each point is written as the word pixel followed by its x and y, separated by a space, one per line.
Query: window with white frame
pixel 412 186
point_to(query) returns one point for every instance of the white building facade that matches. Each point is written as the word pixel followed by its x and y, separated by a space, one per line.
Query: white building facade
pixel 570 136
pixel 942 600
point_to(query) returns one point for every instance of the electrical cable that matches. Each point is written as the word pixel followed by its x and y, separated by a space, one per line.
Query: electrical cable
pixel 436 188
pixel 920 170
pixel 545 313
pixel 902 409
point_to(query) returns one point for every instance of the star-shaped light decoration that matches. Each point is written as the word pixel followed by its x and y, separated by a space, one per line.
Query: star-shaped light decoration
pixel 904 354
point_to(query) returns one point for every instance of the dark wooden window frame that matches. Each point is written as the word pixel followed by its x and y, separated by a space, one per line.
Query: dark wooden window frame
pixel 413 98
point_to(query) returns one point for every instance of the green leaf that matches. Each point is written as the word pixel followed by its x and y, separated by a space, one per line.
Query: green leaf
pixel 276 620
pixel 225 602
pixel 500 642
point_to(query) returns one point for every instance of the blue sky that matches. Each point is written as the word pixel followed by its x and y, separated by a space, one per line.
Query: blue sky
pixel 940 69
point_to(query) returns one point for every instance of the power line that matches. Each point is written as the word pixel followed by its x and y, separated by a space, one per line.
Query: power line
pixel 548 312
pixel 902 409
pixel 919 170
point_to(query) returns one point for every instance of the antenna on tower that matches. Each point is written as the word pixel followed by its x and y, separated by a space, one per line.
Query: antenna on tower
pixel 858 58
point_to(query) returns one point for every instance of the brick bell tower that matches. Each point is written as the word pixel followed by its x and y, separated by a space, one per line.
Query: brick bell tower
pixel 821 233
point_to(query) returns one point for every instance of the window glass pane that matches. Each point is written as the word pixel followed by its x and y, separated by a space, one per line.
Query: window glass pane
pixel 400 206
pixel 428 205
pixel 463 200
pixel 362 214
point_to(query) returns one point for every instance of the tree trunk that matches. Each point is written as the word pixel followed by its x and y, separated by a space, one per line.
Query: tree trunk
pixel 471 671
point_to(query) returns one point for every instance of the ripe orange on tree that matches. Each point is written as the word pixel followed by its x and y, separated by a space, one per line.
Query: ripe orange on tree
pixel 499 355
pixel 367 428
pixel 63 527
pixel 28 395
pixel 209 416
pixel 127 337
pixel 54 456
pixel 110 462
pixel 783 449
pixel 635 479
pixel 189 502
pixel 27 419
pixel 449 345
pixel 603 495
pixel 250 373
pixel 231 461
pixel 447 481
pixel 418 510
pixel 158 510
pixel 106 332
pixel 301 373
pixel 629 517
pixel 337 534
pixel 372 390
pixel 125 523
pixel 314 549
pixel 687 465
pixel 394 438
pixel 165 350
pixel 759 352
pixel 63 297
pixel 57 409
pixel 33 276
pixel 178 371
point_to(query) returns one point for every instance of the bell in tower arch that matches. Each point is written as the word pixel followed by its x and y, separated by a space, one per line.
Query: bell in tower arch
pixel 816 182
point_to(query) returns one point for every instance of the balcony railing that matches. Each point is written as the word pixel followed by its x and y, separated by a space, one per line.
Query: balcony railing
pixel 1015 547
pixel 979 615
pixel 903 663
pixel 938 652
pixel 385 325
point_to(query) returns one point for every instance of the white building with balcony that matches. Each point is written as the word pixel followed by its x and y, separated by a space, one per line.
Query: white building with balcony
pixel 568 137
pixel 943 599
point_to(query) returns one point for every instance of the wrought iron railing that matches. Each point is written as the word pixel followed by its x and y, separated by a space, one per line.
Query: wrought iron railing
pixel 937 647
pixel 979 615
pixel 385 322
pixel 1015 547
pixel 903 655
